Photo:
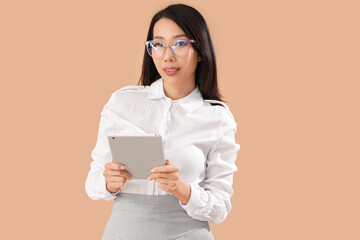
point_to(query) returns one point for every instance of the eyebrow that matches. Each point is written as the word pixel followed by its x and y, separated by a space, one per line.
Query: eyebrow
pixel 179 35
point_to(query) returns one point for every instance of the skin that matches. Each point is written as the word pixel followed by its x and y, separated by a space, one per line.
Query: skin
pixel 183 82
pixel 175 87
pixel 115 176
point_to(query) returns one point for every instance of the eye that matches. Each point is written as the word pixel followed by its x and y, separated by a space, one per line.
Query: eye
pixel 157 44
pixel 181 43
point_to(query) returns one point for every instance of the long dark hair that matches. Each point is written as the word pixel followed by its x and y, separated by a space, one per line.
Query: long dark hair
pixel 195 27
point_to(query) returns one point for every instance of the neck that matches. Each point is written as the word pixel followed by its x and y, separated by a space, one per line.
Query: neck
pixel 177 91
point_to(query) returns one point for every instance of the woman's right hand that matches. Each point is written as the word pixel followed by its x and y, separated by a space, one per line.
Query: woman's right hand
pixel 115 176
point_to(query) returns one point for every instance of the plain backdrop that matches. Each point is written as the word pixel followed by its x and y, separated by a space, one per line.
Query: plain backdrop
pixel 289 71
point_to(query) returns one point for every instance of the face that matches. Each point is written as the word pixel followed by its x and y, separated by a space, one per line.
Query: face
pixel 166 30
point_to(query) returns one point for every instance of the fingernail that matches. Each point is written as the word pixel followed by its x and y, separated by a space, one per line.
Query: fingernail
pixel 148 178
pixel 122 167
pixel 152 170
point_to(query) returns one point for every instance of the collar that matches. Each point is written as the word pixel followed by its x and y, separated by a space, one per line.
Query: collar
pixel 188 103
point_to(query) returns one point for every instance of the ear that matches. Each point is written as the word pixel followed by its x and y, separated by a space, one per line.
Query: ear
pixel 199 59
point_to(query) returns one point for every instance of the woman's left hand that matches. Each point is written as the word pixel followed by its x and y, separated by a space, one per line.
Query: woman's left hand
pixel 167 177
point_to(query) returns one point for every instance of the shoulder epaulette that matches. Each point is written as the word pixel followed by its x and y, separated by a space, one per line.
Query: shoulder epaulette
pixel 216 102
pixel 132 87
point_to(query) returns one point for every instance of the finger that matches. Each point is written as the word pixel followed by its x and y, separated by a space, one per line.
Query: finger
pixel 117 173
pixel 112 164
pixel 123 186
pixel 116 166
pixel 166 187
pixel 126 174
pixel 118 186
pixel 164 181
pixel 110 172
pixel 117 179
pixel 163 175
pixel 167 168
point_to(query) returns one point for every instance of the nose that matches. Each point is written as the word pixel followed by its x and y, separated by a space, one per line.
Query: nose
pixel 168 54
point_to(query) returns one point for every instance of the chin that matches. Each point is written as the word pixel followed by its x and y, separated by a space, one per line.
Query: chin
pixel 172 79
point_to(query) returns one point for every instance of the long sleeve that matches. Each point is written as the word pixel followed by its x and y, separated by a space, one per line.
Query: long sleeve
pixel 210 200
pixel 95 184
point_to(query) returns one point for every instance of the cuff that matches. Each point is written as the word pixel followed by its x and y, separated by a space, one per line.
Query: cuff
pixel 194 200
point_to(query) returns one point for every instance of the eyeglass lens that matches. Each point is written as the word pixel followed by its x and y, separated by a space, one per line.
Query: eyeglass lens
pixel 156 48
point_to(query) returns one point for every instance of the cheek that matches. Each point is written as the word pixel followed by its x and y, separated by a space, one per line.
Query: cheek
pixel 157 64
pixel 192 60
pixel 191 63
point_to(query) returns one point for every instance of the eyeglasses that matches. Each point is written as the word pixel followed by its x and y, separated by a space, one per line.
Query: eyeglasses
pixel 178 47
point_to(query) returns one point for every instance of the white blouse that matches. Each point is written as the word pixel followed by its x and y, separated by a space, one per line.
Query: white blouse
pixel 198 138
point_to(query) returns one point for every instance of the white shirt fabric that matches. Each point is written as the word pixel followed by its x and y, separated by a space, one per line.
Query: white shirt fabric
pixel 198 138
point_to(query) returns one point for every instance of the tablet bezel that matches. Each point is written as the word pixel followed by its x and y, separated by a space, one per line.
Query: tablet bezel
pixel 138 152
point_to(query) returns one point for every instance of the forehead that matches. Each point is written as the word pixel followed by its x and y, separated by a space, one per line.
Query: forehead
pixel 167 29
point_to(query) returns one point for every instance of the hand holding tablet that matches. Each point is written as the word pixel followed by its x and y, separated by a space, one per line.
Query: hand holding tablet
pixel 138 152
pixel 116 176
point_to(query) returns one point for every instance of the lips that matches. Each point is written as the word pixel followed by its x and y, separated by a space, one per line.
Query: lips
pixel 171 70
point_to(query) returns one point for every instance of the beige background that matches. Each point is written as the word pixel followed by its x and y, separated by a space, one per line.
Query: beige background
pixel 288 69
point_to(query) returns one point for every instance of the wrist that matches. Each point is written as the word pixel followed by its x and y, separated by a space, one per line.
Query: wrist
pixel 182 192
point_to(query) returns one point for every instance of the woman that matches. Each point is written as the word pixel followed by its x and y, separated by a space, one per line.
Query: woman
pixel 178 98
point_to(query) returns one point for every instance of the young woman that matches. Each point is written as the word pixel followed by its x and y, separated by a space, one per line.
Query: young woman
pixel 177 98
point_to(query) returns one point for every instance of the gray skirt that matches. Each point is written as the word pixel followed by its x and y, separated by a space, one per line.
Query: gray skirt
pixel 138 216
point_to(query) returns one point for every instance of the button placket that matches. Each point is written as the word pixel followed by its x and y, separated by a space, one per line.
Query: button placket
pixel 163 131
pixel 164 125
pixel 167 119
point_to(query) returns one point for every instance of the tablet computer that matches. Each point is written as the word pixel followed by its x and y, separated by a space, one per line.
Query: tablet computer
pixel 138 152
